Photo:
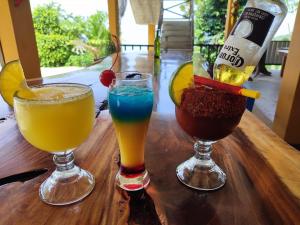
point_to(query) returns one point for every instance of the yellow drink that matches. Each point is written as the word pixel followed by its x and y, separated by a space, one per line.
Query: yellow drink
pixel 131 138
pixel 131 108
pixel 57 117
pixel 233 76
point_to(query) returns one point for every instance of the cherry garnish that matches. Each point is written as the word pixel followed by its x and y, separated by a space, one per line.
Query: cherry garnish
pixel 106 76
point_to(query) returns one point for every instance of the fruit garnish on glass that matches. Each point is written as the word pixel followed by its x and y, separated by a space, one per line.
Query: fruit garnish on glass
pixel 206 110
pixel 55 118
pixel 12 79
pixel 106 76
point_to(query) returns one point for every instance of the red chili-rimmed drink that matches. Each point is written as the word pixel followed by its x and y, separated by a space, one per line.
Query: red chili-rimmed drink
pixel 207 114
pixel 130 105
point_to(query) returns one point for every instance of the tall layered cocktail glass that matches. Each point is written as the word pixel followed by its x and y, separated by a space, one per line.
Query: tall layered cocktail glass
pixel 130 105
pixel 207 115
pixel 57 118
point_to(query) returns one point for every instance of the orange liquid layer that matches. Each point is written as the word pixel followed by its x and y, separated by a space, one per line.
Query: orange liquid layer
pixel 57 126
pixel 131 137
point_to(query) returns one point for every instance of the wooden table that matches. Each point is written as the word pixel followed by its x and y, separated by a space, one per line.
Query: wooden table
pixel 263 179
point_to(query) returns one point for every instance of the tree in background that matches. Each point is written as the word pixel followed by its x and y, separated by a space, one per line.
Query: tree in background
pixel 53 45
pixel 96 39
pixel 210 19
pixel 47 19
pixel 97 34
pixel 292 5
pixel 292 9
pixel 64 39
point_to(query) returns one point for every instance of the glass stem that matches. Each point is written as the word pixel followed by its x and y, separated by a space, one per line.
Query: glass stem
pixel 64 161
pixel 203 149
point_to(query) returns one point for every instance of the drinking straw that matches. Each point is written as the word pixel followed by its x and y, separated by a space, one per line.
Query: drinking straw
pixel 199 80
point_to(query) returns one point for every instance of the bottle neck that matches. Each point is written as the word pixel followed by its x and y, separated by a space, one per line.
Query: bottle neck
pixel 157 33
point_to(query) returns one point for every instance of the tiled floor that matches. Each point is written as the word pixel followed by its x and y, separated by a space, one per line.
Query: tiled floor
pixel 269 86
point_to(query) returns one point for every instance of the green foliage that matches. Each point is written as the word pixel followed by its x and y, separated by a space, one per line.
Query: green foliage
pixel 95 26
pixel 85 59
pixel 56 31
pixel 98 35
pixel 47 19
pixel 286 37
pixel 54 49
pixel 210 18
pixel 292 5
pixel 73 26
pixel 185 8
pixel 104 46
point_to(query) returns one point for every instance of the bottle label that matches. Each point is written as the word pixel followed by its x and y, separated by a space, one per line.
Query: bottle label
pixel 236 54
pixel 253 25
pixel 246 38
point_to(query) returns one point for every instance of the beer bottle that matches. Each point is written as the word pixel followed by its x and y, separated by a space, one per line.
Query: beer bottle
pixel 249 40
pixel 157 45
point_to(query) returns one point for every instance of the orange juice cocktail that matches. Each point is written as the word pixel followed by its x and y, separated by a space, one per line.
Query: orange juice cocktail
pixel 57 118
pixel 54 120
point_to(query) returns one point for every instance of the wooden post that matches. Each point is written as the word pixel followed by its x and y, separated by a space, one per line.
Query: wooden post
pixel 17 36
pixel 1 56
pixel 287 117
pixel 151 35
pixel 229 21
pixel 114 28
pixel 232 15
pixel 113 16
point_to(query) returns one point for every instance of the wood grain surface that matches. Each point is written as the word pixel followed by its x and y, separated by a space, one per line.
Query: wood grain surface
pixel 262 185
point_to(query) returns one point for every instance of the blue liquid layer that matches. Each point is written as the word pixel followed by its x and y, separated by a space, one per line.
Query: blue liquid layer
pixel 130 103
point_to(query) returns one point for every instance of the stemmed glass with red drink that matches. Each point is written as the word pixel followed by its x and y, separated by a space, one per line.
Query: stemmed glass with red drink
pixel 206 114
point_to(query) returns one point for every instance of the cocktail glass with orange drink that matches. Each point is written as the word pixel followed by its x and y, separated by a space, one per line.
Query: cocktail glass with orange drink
pixel 130 105
pixel 57 118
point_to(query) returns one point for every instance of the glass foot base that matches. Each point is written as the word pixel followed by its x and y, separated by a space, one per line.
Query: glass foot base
pixel 201 174
pixel 67 187
pixel 133 182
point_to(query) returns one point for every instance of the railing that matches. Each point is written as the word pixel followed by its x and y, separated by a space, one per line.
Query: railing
pixel 161 17
pixel 192 20
pixel 273 57
pixel 210 51
pixel 171 10
pixel 185 15
pixel 132 47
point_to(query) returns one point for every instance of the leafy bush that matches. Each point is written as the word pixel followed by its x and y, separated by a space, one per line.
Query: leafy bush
pixel 73 26
pixel 105 46
pixel 56 33
pixel 286 37
pixel 210 18
pixel 80 60
pixel 54 49
pixel 47 19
